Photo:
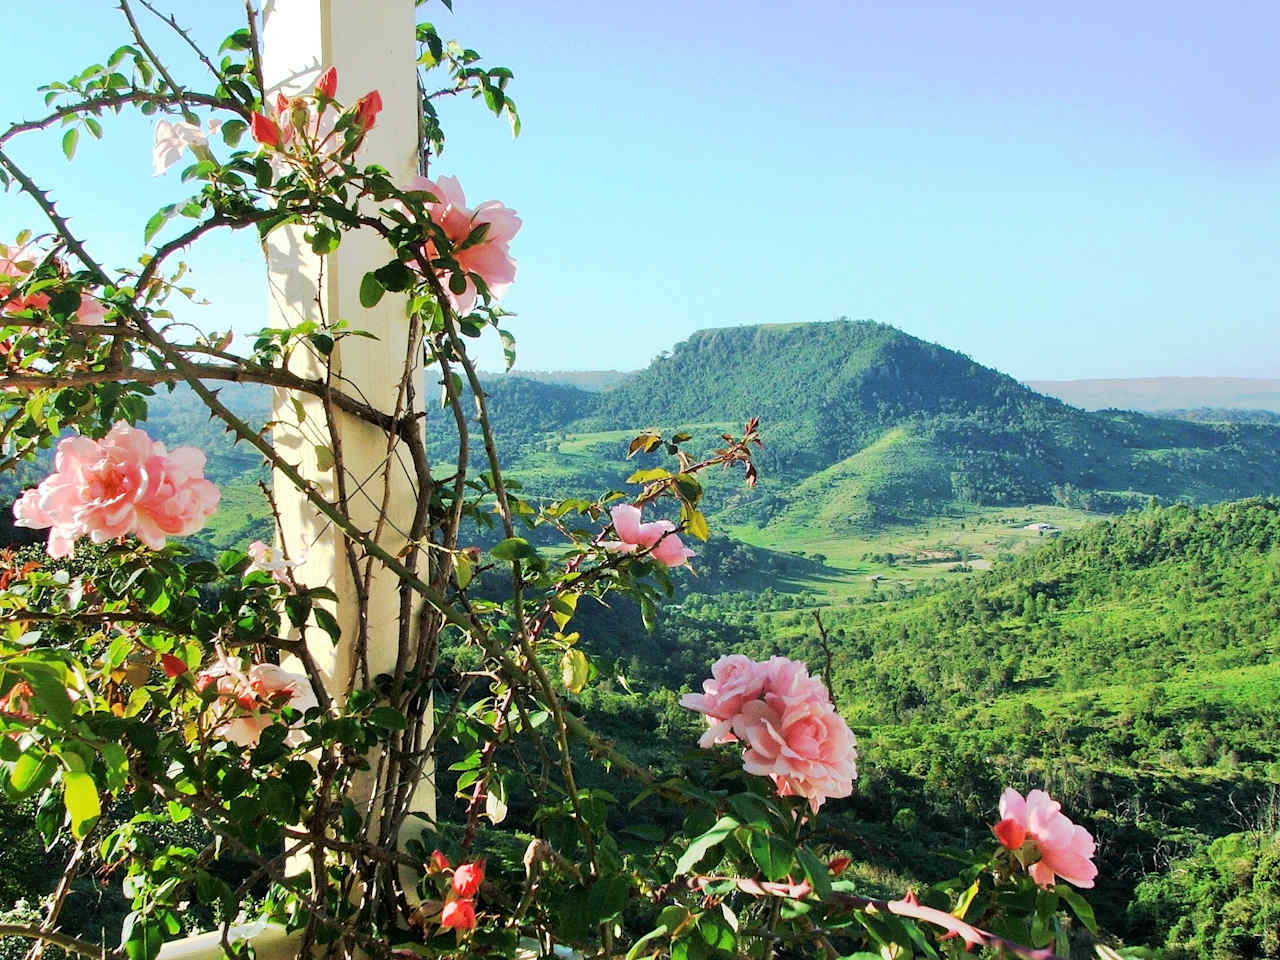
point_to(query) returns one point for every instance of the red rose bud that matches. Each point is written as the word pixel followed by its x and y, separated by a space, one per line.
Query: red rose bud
pixel 458 915
pixel 327 86
pixel 467 878
pixel 367 109
pixel 439 862
pixel 173 667
pixel 265 131
pixel 1011 834
pixel 838 865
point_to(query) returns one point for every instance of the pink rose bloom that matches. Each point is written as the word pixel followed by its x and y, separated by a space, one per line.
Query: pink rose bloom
pixel 91 312
pixel 173 138
pixel 247 703
pixel 735 679
pixel 270 560
pixel 787 682
pixel 490 259
pixel 122 484
pixel 659 537
pixel 806 749
pixel 1065 848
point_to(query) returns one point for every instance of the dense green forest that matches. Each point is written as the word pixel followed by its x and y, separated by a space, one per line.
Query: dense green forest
pixel 1129 668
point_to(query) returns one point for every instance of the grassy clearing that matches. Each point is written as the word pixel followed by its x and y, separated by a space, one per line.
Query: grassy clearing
pixel 977 538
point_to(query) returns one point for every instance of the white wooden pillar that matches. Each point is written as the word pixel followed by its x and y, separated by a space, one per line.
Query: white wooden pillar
pixel 372 44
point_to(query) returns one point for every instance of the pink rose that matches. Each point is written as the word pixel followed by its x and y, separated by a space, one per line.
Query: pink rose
pixel 122 484
pixel 659 537
pixel 735 679
pixel 787 682
pixel 806 748
pixel 247 703
pixel 489 258
pixel 91 312
pixel 1065 849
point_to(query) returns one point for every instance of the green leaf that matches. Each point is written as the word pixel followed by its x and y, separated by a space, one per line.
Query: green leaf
pixel 688 488
pixel 324 457
pixel 1079 906
pixel 232 131
pixel 513 548
pixel 772 854
pixel 395 276
pixel 698 849
pixel 508 348
pixel 637 948
pixel 371 291
pixel 49 689
pixel 388 718
pixel 69 141
pixel 297 608
pixel 141 937
pixel 462 570
pixel 158 220
pixel 277 799
pixel 649 475
pixel 326 622
pixel 30 774
pixel 477 235
pixel 817 872
pixel 80 794
pixel 695 523
pixel 563 608
pixel 350 820
pixel 750 809
pixel 607 896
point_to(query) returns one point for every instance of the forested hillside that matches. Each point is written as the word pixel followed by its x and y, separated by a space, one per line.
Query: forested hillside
pixel 1130 669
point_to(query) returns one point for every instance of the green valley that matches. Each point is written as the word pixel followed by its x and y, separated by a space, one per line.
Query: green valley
pixel 1012 591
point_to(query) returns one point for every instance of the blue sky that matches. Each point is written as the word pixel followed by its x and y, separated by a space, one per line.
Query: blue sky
pixel 1059 190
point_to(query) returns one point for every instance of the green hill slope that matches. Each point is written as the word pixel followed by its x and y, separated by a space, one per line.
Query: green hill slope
pixel 928 427
pixel 1131 668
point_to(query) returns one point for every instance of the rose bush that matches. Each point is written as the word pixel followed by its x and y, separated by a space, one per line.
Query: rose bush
pixel 144 686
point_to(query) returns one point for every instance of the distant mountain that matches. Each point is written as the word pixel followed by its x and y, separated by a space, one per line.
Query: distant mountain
pixel 1222 415
pixel 1165 393
pixel 593 381
pixel 866 424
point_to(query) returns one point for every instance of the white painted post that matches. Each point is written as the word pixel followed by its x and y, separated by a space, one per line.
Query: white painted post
pixel 372 43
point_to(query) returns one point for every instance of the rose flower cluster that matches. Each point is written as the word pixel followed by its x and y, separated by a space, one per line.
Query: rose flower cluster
pixel 120 485
pixel 784 717
pixel 247 702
